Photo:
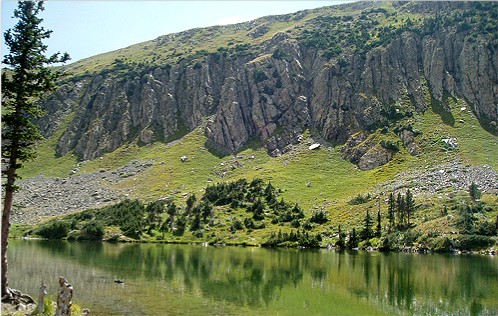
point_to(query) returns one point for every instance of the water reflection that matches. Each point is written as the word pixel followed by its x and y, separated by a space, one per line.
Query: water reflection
pixel 180 279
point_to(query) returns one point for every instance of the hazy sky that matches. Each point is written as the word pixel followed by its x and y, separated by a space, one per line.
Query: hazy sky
pixel 87 28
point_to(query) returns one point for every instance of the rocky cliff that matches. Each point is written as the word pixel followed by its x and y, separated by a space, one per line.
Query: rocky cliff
pixel 337 71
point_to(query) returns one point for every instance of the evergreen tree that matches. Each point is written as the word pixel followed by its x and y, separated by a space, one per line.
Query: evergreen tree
pixel 171 209
pixel 391 212
pixel 196 223
pixel 26 80
pixel 153 211
pixel 206 210
pixel 378 228
pixel 269 190
pixel 190 202
pixel 474 192
pixel 353 239
pixel 319 216
pixel 340 243
pixel 367 232
pixel 400 210
pixel 297 212
pixel 165 226
pixel 409 205
pixel 466 219
pixel 258 210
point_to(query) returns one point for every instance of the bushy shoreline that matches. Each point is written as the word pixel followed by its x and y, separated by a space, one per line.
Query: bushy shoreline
pixel 253 213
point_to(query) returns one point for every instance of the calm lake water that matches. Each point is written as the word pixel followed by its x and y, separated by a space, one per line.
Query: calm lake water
pixel 195 280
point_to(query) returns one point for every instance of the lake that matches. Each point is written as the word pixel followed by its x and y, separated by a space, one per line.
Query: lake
pixel 170 279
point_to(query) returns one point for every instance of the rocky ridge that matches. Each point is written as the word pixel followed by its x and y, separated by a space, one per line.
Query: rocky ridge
pixel 275 91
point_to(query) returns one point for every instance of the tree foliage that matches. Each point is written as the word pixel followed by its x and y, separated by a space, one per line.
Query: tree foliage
pixel 367 231
pixel 474 192
pixel 26 80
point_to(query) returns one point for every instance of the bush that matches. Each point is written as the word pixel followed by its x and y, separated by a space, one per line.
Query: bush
pixel 319 217
pixel 53 230
pixel 442 244
pixel 295 223
pixel 92 231
pixel 389 145
pixel 384 244
pixel 487 228
pixel 280 54
pixel 469 242
pixel 259 75
pixel 360 199
pixel 249 223
pixel 236 225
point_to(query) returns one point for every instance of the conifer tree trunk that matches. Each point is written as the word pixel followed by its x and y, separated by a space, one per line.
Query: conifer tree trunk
pixel 25 80
pixel 10 188
pixel 8 199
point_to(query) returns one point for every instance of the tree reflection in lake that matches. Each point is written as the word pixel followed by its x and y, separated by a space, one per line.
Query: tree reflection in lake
pixel 175 279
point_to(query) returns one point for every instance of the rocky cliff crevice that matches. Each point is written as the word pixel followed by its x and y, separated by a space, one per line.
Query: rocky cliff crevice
pixel 275 92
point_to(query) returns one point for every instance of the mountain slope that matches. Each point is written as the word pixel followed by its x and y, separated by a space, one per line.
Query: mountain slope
pixel 336 70
pixel 393 92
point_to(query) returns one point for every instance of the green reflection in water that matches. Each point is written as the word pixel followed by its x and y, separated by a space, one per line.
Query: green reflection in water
pixel 196 280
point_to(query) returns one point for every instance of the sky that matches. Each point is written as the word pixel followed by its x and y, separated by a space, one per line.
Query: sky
pixel 85 28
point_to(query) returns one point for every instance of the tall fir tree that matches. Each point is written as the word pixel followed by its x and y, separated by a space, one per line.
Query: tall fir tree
pixel 409 206
pixel 25 80
pixel 474 192
pixel 378 228
pixel 353 240
pixel 340 243
pixel 400 210
pixel 391 212
pixel 367 231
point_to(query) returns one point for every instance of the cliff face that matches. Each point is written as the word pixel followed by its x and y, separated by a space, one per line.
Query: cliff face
pixel 280 89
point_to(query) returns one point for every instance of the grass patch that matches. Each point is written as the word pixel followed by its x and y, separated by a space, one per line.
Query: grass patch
pixel 46 162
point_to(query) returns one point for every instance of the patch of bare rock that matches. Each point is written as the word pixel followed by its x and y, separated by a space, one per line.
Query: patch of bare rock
pixel 452 175
pixel 40 197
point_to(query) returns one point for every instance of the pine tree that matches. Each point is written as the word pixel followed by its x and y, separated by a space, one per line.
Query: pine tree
pixel 340 243
pixel 190 202
pixel 474 192
pixel 25 81
pixel 353 239
pixel 367 232
pixel 400 210
pixel 409 205
pixel 391 212
pixel 378 228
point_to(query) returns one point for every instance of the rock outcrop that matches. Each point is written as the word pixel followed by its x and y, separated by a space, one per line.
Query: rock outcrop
pixel 274 97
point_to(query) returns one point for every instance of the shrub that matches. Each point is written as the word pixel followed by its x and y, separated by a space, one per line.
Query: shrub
pixel 384 244
pixel 442 244
pixel 280 54
pixel 93 230
pixel 249 223
pixel 360 199
pixel 53 230
pixel 319 217
pixel 259 75
pixel 389 145
pixel 468 242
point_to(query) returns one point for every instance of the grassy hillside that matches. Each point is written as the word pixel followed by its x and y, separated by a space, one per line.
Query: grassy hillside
pixel 315 179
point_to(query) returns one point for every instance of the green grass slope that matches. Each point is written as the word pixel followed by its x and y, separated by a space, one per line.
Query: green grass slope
pixel 315 179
